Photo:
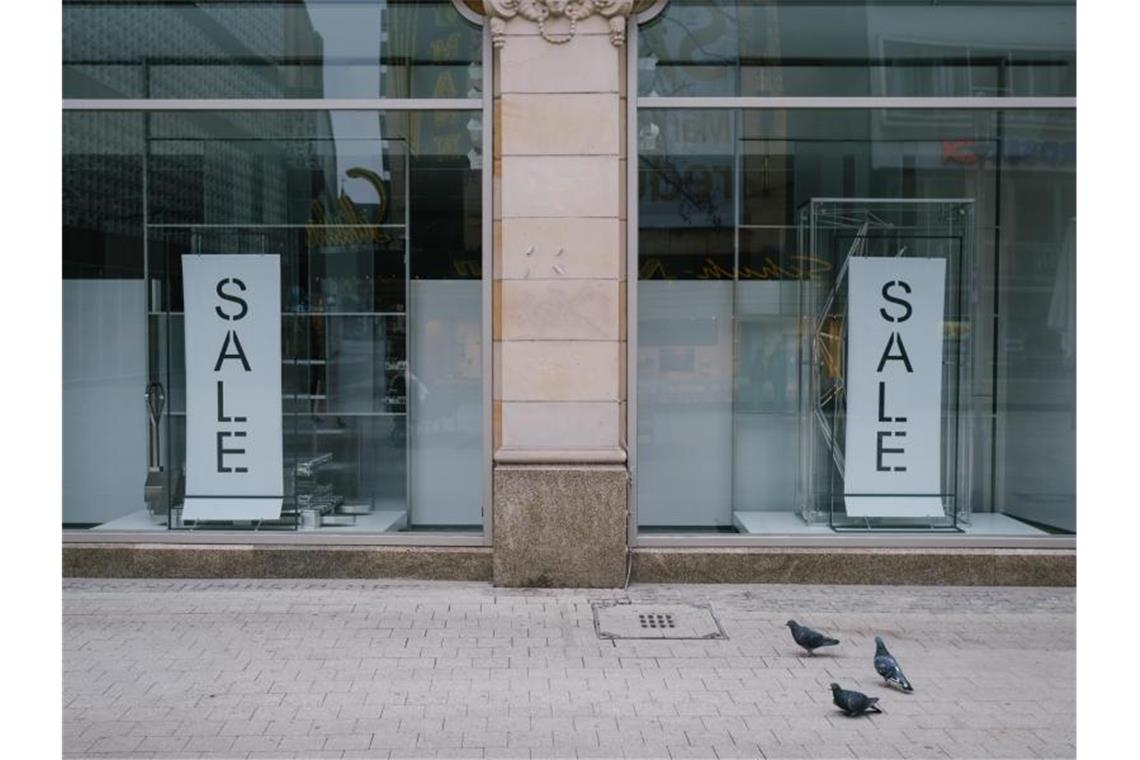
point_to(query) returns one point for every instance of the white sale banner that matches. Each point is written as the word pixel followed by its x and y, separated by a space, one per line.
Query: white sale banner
pixel 233 386
pixel 893 451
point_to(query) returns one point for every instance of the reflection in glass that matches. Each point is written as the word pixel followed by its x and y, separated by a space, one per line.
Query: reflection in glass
pixel 720 264
pixel 381 305
pixel 877 48
pixel 277 49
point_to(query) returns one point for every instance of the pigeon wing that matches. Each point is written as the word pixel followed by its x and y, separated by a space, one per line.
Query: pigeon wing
pixel 900 679
pixel 806 637
pixel 888 667
pixel 842 700
pixel 854 702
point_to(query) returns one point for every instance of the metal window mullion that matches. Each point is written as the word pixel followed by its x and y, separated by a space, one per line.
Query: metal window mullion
pixel 987 103
pixel 486 281
pixel 632 282
pixel 842 540
pixel 737 128
pixel 276 104
pixel 289 537
pixel 410 413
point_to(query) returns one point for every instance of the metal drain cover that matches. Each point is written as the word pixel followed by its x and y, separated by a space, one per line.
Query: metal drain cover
pixel 623 620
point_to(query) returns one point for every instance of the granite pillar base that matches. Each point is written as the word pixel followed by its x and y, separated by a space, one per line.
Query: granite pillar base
pixel 560 525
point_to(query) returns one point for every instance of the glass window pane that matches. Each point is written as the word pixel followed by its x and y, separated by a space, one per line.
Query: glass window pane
pixel 877 48
pixel 381 308
pixel 104 292
pixel 310 49
pixel 721 262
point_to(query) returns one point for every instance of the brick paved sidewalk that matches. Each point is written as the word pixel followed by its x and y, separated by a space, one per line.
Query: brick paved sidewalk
pixel 378 669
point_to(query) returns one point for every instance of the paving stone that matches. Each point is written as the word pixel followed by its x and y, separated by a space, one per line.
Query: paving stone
pixel 257 743
pixel 163 744
pixel 114 744
pixel 348 741
pixel 390 669
pixel 209 743
pixel 685 750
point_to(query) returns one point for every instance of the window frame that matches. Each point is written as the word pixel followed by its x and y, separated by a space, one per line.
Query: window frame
pixel 441 538
pixel 681 539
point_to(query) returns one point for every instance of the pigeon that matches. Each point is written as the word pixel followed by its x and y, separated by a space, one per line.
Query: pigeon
pixel 809 639
pixel 888 667
pixel 853 703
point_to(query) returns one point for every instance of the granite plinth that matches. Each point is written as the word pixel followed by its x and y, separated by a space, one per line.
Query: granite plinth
pixel 260 561
pixel 560 526
pixel 846 566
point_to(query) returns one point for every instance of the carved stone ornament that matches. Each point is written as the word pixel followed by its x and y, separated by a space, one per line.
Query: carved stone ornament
pixel 540 11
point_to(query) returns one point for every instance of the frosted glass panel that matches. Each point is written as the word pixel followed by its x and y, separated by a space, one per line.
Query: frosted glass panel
pixel 446 402
pixel 684 430
pixel 104 419
pixel 766 392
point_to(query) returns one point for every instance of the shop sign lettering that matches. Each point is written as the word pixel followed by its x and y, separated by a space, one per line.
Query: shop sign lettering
pixel 1014 151
pixel 892 463
pixel 233 387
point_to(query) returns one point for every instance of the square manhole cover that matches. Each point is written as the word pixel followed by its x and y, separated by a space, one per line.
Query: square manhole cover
pixel 623 620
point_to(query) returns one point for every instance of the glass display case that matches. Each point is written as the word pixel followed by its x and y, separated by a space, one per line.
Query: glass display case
pixel 885 328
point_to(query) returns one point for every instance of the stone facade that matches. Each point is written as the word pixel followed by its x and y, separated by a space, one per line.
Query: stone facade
pixel 560 481
pixel 546 15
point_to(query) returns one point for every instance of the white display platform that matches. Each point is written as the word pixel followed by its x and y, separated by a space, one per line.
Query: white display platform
pixel 776 523
pixel 994 524
pixel 380 521
pixel 790 523
pixel 138 520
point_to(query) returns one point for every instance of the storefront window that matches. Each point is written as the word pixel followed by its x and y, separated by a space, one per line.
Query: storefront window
pixel 764 229
pixel 726 256
pixel 332 259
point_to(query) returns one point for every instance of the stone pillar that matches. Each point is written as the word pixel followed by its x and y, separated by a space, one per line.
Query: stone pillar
pixel 560 477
